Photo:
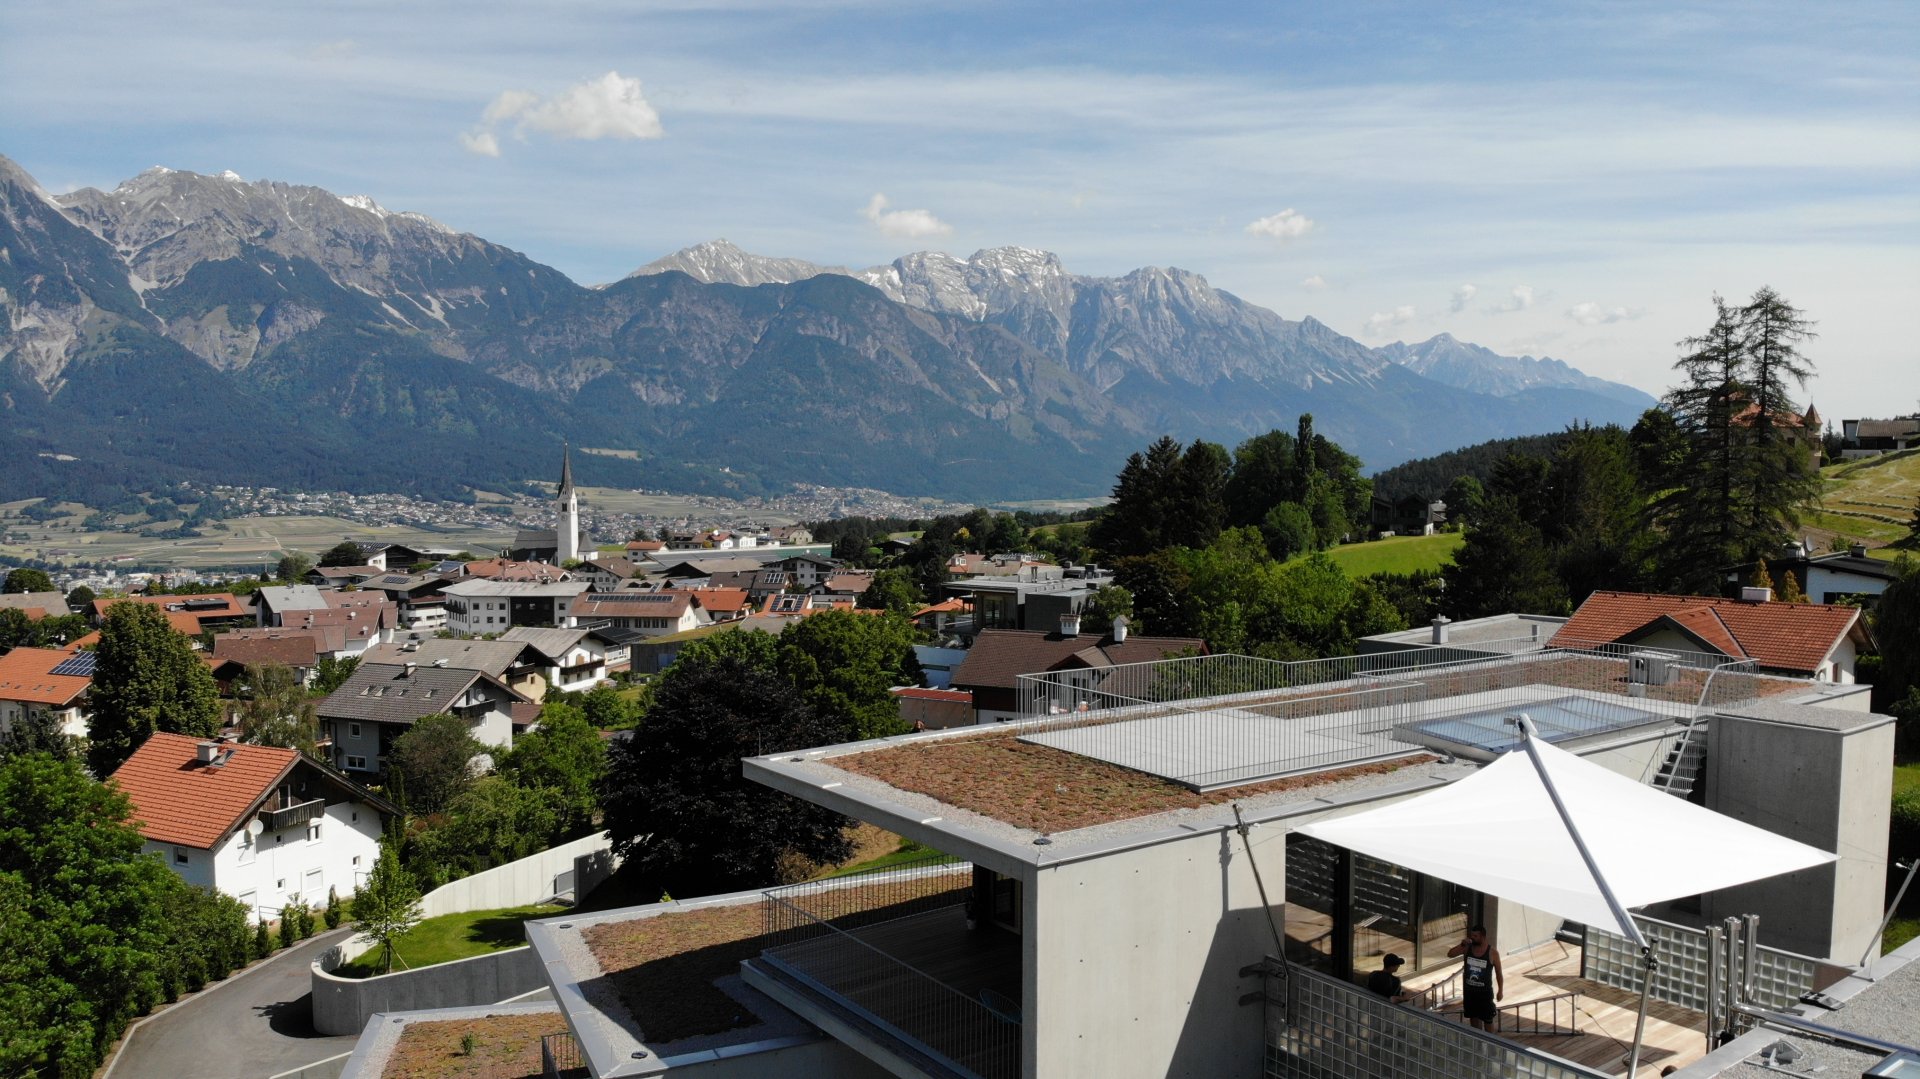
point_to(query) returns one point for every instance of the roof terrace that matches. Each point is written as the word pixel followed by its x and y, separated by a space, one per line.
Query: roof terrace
pixel 1109 745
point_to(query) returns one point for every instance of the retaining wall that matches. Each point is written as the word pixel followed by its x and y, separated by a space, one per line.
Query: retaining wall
pixel 570 867
pixel 343 1005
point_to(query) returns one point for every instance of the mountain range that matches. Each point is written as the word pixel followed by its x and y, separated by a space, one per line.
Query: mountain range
pixel 184 326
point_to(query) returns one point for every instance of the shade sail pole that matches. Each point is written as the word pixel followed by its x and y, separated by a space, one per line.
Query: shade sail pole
pixel 1620 915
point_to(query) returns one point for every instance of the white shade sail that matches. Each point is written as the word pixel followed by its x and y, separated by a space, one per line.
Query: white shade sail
pixel 1497 832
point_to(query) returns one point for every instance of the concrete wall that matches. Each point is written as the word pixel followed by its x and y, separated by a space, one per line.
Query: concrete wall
pixel 1828 788
pixel 1132 961
pixel 528 880
pixel 343 1005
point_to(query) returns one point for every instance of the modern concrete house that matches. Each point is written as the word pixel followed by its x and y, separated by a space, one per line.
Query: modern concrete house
pixel 1107 912
pixel 268 826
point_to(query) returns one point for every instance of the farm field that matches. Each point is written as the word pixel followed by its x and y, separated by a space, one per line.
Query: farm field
pixel 621 500
pixel 244 543
pixel 1871 500
pixel 1401 554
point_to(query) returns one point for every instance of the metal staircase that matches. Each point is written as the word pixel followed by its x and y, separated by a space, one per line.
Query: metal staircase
pixel 1679 774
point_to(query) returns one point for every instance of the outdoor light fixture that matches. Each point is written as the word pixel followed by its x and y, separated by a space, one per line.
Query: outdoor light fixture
pixel 1902 1065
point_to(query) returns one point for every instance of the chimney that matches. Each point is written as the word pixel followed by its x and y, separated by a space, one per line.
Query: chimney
pixel 1858 550
pixel 1750 594
pixel 1070 624
pixel 411 667
pixel 1440 624
pixel 205 752
pixel 1119 629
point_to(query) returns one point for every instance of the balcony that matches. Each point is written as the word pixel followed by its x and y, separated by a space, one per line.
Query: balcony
pixel 904 979
pixel 294 815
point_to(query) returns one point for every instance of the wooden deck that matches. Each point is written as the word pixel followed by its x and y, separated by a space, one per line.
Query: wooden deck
pixel 1605 1015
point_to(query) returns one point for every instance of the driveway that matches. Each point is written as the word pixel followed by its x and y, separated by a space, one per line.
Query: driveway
pixel 249 1027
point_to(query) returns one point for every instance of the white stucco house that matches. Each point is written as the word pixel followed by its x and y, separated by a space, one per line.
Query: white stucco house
pixel 265 825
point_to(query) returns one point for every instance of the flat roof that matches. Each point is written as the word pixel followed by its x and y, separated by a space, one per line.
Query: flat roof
pixel 1496 627
pixel 1085 781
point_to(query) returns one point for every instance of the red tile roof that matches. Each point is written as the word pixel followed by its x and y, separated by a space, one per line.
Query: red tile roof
pixel 1000 656
pixel 1782 636
pixel 178 799
pixel 294 649
pixel 24 677
pixel 727 601
pixel 919 694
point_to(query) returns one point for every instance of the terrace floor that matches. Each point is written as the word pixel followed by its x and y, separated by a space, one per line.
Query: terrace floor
pixel 1605 1015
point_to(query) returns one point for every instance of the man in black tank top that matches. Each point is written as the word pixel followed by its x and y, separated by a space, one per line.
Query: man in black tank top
pixel 1484 982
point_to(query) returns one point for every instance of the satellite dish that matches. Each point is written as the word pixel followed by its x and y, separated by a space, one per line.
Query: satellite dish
pixel 254 827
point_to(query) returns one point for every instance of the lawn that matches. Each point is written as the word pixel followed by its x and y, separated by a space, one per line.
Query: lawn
pixel 907 851
pixel 1401 554
pixel 1906 777
pixel 453 936
pixel 1871 499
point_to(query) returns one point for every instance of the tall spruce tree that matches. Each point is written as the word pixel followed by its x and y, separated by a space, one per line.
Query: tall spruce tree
pixel 1136 522
pixel 1700 508
pixel 1781 480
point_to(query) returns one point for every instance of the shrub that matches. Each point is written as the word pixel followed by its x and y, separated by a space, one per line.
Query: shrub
pixel 332 915
pixel 286 927
pixel 262 942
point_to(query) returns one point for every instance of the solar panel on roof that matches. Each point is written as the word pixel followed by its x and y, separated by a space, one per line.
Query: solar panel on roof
pixel 78 665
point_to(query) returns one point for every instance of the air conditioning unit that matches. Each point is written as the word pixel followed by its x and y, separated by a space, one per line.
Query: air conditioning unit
pixel 1650 668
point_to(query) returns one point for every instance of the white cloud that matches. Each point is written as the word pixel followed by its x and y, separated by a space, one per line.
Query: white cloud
pixel 480 141
pixel 609 107
pixel 1592 314
pixel 1461 297
pixel 1316 281
pixel 909 224
pixel 1286 225
pixel 1519 300
pixel 1379 323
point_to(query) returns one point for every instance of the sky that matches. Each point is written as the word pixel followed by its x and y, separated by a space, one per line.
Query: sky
pixel 1568 180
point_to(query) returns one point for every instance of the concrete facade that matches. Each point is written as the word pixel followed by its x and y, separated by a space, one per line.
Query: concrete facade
pixel 1821 776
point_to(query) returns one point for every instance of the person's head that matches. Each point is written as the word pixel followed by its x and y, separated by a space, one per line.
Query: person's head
pixel 1391 962
pixel 1477 934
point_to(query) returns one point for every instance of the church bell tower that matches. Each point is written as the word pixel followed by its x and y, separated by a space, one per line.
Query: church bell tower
pixel 567 534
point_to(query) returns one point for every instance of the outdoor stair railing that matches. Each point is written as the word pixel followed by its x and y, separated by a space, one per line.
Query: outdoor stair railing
pixel 560 1057
pixel 1562 1011
pixel 1438 995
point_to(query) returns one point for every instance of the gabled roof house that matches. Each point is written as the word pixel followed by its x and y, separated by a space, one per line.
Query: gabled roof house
pixel 1802 640
pixel 268 826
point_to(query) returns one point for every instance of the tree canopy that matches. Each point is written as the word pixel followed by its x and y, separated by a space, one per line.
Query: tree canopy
pixel 146 679
pixel 843 666
pixel 22 579
pixel 432 762
pixel 344 553
pixel 97 932
pixel 277 710
pixel 675 801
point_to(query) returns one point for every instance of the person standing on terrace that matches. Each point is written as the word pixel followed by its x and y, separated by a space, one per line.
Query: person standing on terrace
pixel 1484 982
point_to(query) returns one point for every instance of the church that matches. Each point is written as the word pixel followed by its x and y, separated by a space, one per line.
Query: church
pixel 561 544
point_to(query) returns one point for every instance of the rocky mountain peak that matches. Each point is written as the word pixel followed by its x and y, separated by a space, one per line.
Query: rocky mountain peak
pixel 720 261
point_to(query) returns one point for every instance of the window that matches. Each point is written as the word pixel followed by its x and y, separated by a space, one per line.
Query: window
pixel 313 832
pixel 353 729
pixel 356 859
pixel 358 763
pixel 180 856
pixel 280 885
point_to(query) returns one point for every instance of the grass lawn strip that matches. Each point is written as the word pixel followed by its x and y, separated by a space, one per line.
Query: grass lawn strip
pixel 453 936
pixel 505 1047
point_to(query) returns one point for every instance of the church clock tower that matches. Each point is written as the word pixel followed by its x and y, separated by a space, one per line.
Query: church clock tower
pixel 567 534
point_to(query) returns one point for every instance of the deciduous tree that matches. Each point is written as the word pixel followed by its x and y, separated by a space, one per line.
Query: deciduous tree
pixel 565 758
pixel 278 711
pixel 387 905
pixel 844 665
pixel 344 553
pixel 146 679
pixel 675 801
pixel 891 590
pixel 433 762
pixel 22 579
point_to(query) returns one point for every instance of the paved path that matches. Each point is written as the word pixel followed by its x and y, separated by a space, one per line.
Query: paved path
pixel 248 1027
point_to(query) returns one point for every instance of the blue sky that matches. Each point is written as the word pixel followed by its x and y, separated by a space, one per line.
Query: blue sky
pixel 1576 181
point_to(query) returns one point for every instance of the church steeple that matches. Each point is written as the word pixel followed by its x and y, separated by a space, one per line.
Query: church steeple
pixel 567 535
